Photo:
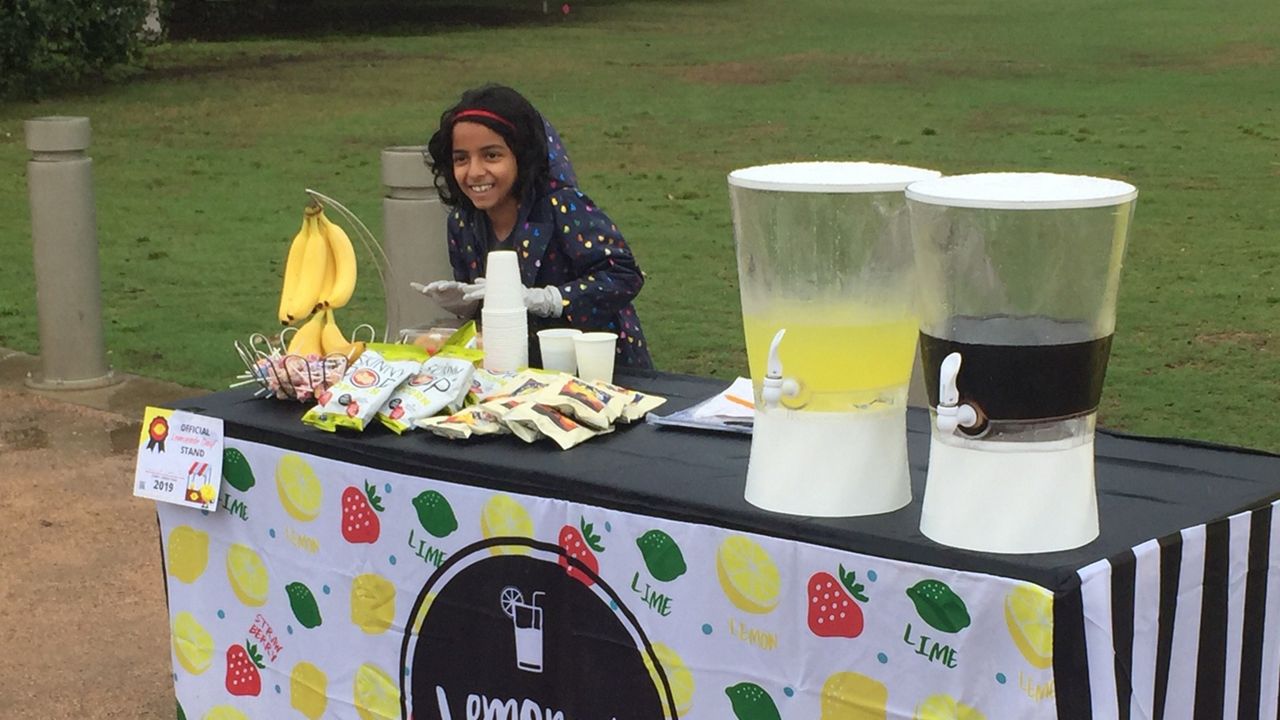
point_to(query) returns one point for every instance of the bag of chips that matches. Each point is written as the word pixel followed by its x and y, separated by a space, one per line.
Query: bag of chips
pixel 369 382
pixel 441 383
pixel 589 404
pixel 564 430
pixel 636 405
pixel 474 420
pixel 485 383
pixel 525 384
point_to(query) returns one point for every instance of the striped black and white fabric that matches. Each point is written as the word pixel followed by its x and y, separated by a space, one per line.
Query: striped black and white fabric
pixel 1185 626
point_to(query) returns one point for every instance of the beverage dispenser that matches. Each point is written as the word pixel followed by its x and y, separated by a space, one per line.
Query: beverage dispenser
pixel 825 269
pixel 1017 277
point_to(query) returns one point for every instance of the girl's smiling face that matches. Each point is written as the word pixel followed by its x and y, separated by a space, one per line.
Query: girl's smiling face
pixel 483 166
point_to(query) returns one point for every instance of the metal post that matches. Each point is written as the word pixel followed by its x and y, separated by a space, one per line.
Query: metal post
pixel 65 248
pixel 413 238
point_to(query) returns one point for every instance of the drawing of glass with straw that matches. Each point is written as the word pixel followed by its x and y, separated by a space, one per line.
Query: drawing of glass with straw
pixel 526 620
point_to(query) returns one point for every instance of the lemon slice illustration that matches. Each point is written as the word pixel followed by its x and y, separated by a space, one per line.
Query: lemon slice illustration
pixel 192 644
pixel 376 694
pixel 851 696
pixel 503 516
pixel 248 575
pixel 747 575
pixel 678 676
pixel 945 707
pixel 300 492
pixel 187 553
pixel 373 603
pixel 1028 613
pixel 307 686
pixel 224 712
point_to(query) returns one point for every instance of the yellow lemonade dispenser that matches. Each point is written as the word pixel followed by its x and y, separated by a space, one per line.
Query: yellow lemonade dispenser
pixel 825 271
pixel 1017 276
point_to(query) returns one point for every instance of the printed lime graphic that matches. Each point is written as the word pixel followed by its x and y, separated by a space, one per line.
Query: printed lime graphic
pixel 181 715
pixel 435 514
pixel 678 677
pixel 945 707
pixel 939 606
pixel 751 702
pixel 1028 613
pixel 307 688
pixel 661 555
pixel 300 492
pixel 376 694
pixel 303 603
pixel 747 575
pixel 224 712
pixel 248 575
pixel 236 470
pixel 188 553
pixel 192 644
pixel 504 517
pixel 373 603
pixel 852 696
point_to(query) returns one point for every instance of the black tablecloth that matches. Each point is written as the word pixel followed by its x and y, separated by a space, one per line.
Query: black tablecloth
pixel 1147 488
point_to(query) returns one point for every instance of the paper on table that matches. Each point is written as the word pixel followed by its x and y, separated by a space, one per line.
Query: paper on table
pixel 733 403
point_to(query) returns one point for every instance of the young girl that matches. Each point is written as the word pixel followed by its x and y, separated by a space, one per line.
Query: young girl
pixel 503 170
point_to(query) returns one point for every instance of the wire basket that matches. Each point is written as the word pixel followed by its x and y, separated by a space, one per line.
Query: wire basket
pixel 286 376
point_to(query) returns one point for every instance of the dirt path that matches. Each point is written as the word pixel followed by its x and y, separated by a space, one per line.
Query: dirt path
pixel 82 607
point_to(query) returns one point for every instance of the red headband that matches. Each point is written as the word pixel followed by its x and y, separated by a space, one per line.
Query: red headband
pixel 484 114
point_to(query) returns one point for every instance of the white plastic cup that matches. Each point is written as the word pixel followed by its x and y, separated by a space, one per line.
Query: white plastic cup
pixel 558 351
pixel 595 351
pixel 502 287
pixel 497 319
pixel 506 339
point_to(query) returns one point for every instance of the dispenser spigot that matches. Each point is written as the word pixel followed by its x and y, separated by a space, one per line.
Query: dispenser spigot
pixel 775 385
pixel 951 414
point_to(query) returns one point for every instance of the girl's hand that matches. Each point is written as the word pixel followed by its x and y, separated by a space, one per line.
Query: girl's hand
pixel 450 295
pixel 542 302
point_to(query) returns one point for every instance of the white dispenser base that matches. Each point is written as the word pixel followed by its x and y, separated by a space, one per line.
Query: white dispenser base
pixel 1011 497
pixel 829 464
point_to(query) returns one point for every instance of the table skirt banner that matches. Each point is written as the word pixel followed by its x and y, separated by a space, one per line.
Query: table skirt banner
pixel 320 588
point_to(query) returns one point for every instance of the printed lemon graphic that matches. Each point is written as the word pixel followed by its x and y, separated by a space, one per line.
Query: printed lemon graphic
pixel 300 492
pixel 376 694
pixel 945 707
pixel 504 517
pixel 747 575
pixel 851 696
pixel 188 553
pixel 422 613
pixel 307 686
pixel 192 644
pixel 373 603
pixel 678 677
pixel 1028 612
pixel 248 575
pixel 224 712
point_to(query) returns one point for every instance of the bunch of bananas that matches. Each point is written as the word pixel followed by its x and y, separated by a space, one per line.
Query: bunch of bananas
pixel 319 276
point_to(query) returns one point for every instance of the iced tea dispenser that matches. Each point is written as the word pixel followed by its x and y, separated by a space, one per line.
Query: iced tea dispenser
pixel 825 271
pixel 1017 277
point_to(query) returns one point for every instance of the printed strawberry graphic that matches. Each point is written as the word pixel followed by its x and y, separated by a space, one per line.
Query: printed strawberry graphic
pixel 579 544
pixel 243 663
pixel 832 610
pixel 359 521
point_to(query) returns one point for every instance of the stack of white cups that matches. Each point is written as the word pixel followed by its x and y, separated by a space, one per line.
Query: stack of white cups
pixel 505 320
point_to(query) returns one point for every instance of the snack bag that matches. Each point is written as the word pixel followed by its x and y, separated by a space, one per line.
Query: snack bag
pixel 485 383
pixel 463 337
pixel 637 404
pixel 590 405
pixel 564 430
pixel 525 384
pixel 502 408
pixel 474 420
pixel 372 378
pixel 440 383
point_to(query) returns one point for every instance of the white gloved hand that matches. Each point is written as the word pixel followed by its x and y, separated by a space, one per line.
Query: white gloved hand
pixel 450 295
pixel 544 302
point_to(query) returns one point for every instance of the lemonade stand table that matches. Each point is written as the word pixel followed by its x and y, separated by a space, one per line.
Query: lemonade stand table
pixel 376 576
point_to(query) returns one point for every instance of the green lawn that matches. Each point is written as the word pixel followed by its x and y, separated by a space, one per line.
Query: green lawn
pixel 200 163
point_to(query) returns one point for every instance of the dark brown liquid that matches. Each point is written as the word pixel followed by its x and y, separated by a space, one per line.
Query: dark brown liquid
pixel 1049 376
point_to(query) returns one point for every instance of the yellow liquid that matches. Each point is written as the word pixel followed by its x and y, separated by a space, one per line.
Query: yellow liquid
pixel 844 359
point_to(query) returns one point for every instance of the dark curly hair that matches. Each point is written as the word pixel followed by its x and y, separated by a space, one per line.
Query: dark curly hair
pixel 527 140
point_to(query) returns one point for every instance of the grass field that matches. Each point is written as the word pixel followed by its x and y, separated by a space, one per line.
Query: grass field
pixel 201 160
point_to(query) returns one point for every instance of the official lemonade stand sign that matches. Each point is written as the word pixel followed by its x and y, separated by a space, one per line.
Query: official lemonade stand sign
pixel 179 458
pixel 323 589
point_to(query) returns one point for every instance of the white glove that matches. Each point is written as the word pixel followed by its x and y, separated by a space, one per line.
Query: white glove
pixel 450 295
pixel 544 302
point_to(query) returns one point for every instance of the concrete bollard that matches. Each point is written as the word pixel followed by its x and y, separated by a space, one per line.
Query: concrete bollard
pixel 413 238
pixel 65 248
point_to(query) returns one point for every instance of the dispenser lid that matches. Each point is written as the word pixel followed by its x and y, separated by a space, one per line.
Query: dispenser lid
pixel 829 177
pixel 1022 191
